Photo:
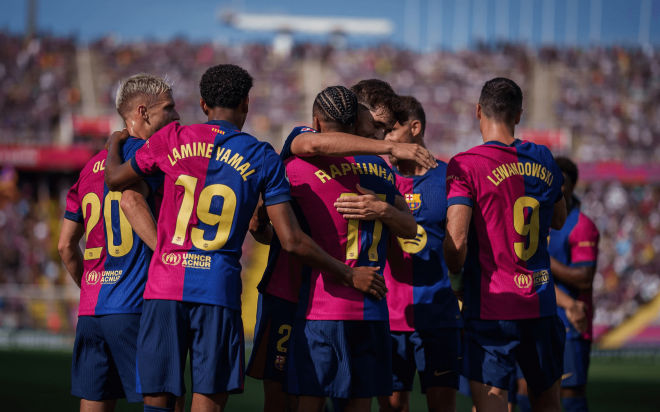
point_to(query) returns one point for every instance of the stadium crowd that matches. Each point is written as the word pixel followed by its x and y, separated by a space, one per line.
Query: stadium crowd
pixel 606 98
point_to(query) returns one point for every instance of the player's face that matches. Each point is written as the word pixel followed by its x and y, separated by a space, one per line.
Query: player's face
pixel 161 113
pixel 373 124
pixel 400 133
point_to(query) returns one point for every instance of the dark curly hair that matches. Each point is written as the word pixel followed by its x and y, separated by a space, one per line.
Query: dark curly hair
pixel 225 85
pixel 336 104
pixel 567 166
pixel 501 100
pixel 375 94
pixel 414 109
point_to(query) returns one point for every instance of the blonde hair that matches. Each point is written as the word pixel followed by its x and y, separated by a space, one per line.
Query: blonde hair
pixel 139 86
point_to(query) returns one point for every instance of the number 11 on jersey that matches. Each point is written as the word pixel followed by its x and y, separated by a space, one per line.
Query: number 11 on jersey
pixel 353 234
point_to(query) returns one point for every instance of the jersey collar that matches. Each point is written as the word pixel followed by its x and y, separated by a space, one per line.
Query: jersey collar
pixel 515 143
pixel 223 123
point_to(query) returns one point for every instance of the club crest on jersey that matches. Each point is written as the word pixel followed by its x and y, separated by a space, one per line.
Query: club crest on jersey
pixel 93 278
pixel 414 200
pixel 279 362
pixel 523 281
pixel 171 259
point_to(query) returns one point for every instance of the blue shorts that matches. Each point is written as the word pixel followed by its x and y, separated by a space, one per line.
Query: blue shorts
pixel 275 318
pixel 576 362
pixel 340 359
pixel 513 388
pixel 103 366
pixel 492 348
pixel 213 335
pixel 434 353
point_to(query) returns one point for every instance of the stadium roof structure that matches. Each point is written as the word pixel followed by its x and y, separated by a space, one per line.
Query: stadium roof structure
pixel 309 24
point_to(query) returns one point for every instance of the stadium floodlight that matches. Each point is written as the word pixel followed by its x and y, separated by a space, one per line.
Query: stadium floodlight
pixel 309 24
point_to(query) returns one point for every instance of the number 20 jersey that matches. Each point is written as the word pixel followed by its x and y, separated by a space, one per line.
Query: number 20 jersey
pixel 512 191
pixel 115 259
pixel 213 177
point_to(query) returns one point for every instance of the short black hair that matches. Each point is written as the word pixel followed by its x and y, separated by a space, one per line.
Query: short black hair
pixel 375 94
pixel 501 100
pixel 336 104
pixel 414 109
pixel 225 85
pixel 567 166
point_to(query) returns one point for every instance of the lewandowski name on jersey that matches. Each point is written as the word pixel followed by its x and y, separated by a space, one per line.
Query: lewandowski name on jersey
pixel 214 175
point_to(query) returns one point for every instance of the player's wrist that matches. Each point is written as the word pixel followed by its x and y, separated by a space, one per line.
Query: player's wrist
pixel 456 280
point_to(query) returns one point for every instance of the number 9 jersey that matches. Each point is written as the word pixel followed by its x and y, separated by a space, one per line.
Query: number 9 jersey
pixel 213 177
pixel 115 259
pixel 512 191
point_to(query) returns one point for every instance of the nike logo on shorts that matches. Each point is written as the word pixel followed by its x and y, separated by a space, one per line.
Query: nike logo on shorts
pixel 441 373
pixel 566 375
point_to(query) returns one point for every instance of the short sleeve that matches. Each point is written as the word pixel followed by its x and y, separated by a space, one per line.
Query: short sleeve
pixel 286 149
pixel 154 150
pixel 459 183
pixel 558 179
pixel 583 243
pixel 73 210
pixel 276 186
pixel 154 181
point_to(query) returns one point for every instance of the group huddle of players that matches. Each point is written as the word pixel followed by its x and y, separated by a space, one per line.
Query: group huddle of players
pixel 368 267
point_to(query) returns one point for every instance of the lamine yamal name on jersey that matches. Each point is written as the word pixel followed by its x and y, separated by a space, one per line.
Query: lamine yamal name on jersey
pixel 203 149
pixel 361 168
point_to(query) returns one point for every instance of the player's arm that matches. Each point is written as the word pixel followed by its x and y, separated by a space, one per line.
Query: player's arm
pixel 134 204
pixel 260 227
pixel 369 207
pixel 559 214
pixel 118 175
pixel 580 278
pixel 70 252
pixel 576 311
pixel 296 242
pixel 455 244
pixel 342 144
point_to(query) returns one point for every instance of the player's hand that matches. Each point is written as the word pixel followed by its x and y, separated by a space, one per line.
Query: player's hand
pixel 117 137
pixel 365 207
pixel 413 151
pixel 577 315
pixel 366 279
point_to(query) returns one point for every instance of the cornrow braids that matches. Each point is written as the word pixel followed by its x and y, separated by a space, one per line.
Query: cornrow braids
pixel 338 104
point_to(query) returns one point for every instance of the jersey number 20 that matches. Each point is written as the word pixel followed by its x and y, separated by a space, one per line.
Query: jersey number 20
pixel 223 220
pixel 523 228
pixel 92 199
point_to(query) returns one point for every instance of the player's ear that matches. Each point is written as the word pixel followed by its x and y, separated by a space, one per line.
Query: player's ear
pixel 316 124
pixel 416 128
pixel 519 116
pixel 142 112
pixel 245 104
pixel 204 107
pixel 478 111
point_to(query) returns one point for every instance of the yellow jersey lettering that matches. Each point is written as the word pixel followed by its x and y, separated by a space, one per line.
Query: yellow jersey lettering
pixel 245 166
pixel 390 178
pixel 175 154
pixel 356 168
pixel 373 169
pixel 220 151
pixel 235 161
pixel 334 171
pixel 225 156
pixel 528 169
pixel 499 179
pixel 542 173
pixel 186 151
pixel 321 174
pixel 502 170
pixel 521 169
pixel 536 168
pixel 382 172
pixel 495 183
pixel 209 149
pixel 245 176
pixel 172 162
pixel 513 169
pixel 345 168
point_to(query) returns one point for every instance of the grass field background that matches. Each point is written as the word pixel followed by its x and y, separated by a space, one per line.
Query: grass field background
pixel 36 381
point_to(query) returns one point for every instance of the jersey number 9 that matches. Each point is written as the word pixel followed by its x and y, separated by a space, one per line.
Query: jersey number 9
pixel 523 228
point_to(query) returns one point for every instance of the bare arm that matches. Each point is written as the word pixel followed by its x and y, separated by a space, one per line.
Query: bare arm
pixel 581 278
pixel 576 311
pixel 369 207
pixel 260 227
pixel 134 205
pixel 69 250
pixel 455 244
pixel 342 144
pixel 559 215
pixel 296 242
pixel 118 175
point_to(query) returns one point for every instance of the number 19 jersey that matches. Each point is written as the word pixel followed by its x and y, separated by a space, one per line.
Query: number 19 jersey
pixel 512 191
pixel 115 260
pixel 213 177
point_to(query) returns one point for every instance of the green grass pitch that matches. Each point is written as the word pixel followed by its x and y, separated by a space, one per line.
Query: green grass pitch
pixel 35 381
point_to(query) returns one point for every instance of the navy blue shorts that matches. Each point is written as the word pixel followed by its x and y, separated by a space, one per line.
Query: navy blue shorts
pixel 213 335
pixel 103 366
pixel 576 363
pixel 492 348
pixel 275 318
pixel 340 359
pixel 433 353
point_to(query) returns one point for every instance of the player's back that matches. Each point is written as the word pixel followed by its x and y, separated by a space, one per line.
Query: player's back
pixel 214 175
pixel 316 184
pixel 512 191
pixel 115 259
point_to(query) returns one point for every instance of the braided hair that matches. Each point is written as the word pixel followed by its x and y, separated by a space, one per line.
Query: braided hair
pixel 336 104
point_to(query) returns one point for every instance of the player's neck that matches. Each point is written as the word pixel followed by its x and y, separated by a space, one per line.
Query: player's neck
pixel 497 132
pixel 411 168
pixel 232 116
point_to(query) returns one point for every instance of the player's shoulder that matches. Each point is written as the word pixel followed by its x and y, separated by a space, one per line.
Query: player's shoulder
pixel 95 164
pixel 300 130
pixel 131 146
pixel 585 224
